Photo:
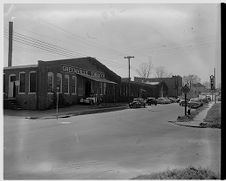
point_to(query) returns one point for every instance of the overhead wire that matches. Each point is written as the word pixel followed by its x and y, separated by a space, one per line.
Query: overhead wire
pixel 26 40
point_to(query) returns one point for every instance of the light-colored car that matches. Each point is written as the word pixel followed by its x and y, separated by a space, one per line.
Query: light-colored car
pixel 173 99
pixel 194 104
pixel 201 101
pixel 163 100
pixel 88 100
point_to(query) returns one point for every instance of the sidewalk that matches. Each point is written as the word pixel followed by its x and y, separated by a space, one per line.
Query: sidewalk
pixel 197 119
pixel 66 111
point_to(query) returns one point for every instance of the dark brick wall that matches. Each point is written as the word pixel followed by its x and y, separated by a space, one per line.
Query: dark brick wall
pixel 26 100
pixel 174 84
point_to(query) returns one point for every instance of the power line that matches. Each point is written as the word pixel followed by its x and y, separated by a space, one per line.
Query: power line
pixel 87 42
pixel 47 47
pixel 43 44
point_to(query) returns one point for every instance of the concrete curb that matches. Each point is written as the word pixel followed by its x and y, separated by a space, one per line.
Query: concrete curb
pixel 82 112
pixel 186 125
pixel 194 121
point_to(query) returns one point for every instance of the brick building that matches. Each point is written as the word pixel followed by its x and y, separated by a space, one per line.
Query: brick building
pixel 35 86
pixel 172 88
pixel 139 89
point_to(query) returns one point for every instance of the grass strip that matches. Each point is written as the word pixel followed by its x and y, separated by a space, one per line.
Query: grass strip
pixel 213 117
pixel 187 173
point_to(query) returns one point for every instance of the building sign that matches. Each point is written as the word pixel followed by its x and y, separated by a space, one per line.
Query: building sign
pixel 71 69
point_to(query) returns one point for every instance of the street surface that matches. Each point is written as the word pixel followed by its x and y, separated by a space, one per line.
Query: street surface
pixel 114 145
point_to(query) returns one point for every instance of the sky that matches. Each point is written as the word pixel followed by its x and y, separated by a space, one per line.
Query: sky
pixel 184 38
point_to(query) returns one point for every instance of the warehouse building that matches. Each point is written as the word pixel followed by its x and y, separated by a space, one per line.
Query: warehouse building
pixel 172 88
pixel 35 86
pixel 133 89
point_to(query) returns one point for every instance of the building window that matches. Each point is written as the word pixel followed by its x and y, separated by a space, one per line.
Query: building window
pixel 4 83
pixel 66 87
pixel 105 85
pixel 32 82
pixel 22 82
pixel 101 87
pixel 80 86
pixel 50 85
pixel 74 85
pixel 59 82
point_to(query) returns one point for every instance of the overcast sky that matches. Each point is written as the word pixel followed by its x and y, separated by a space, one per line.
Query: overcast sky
pixel 184 38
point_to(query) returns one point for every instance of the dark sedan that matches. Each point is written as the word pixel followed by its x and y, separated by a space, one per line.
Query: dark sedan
pixel 137 103
pixel 151 100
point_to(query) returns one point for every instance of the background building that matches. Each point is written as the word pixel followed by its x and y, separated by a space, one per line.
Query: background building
pixel 36 86
pixel 172 84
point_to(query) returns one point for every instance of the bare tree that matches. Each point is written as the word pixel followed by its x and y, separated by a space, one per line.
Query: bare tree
pixel 191 79
pixel 161 72
pixel 206 84
pixel 145 69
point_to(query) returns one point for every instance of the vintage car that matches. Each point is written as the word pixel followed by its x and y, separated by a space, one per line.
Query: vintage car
pixel 137 103
pixel 182 102
pixel 174 100
pixel 194 104
pixel 151 100
pixel 88 100
pixel 163 100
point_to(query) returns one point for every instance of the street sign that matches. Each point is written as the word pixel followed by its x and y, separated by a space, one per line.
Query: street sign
pixel 185 89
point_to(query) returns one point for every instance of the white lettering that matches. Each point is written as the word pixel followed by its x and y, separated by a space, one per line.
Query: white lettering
pixel 82 71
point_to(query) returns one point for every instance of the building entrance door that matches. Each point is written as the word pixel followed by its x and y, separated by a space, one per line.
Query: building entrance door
pixel 12 86
pixel 87 88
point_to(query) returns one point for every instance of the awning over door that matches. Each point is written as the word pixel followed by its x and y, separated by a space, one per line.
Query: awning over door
pixel 98 79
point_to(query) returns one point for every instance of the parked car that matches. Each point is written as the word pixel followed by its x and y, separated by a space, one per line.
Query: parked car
pixel 163 100
pixel 201 101
pixel 88 100
pixel 194 104
pixel 173 99
pixel 151 100
pixel 137 102
pixel 182 102
pixel 205 100
pixel 219 98
pixel 208 98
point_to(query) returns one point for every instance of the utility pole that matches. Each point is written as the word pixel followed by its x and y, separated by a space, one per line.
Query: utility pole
pixel 214 85
pixel 129 57
pixel 10 51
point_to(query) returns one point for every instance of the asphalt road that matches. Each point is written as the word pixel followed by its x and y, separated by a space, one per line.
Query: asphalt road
pixel 114 145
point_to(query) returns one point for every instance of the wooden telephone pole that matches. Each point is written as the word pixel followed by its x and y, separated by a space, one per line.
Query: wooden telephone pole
pixel 129 57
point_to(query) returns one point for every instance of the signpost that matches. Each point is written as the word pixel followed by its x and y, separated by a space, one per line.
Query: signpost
pixel 185 89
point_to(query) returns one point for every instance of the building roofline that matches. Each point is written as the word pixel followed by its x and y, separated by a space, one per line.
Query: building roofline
pixel 21 66
pixel 86 58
